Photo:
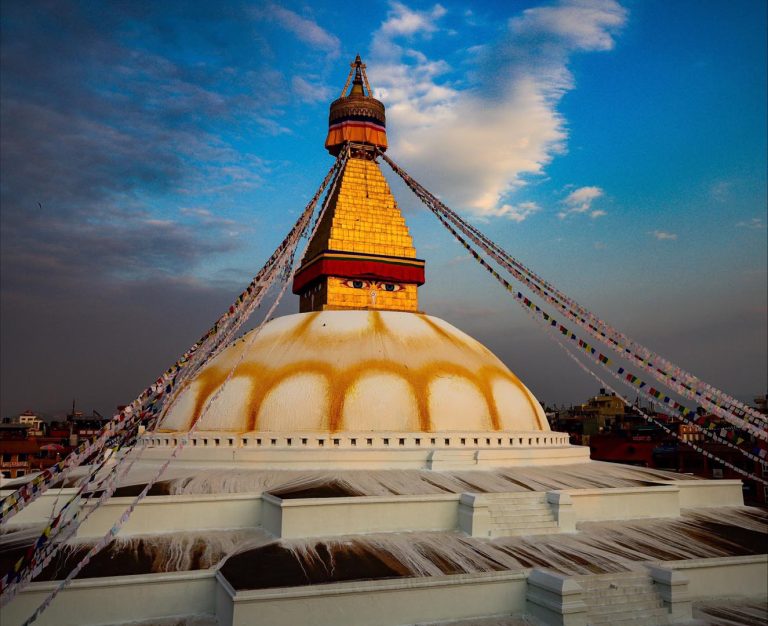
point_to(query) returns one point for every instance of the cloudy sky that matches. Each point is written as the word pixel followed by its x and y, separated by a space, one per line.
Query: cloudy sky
pixel 154 154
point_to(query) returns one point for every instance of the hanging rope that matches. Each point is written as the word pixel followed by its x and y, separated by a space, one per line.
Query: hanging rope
pixel 651 419
pixel 598 326
pixel 145 408
pixel 552 325
pixel 707 402
pixel 284 270
pixel 652 394
pixel 68 515
pixel 42 552
pixel 62 526
pixel 604 330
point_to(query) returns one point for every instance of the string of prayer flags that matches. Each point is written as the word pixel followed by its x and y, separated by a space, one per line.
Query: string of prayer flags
pixel 157 396
pixel 690 386
pixel 490 248
pixel 537 312
pixel 659 423
pixel 286 271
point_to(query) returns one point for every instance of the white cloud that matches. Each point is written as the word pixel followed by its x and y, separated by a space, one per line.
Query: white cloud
pixel 404 21
pixel 195 211
pixel 518 212
pixel 663 235
pixel 755 223
pixel 477 145
pixel 305 30
pixel 309 92
pixel 207 218
pixel 584 25
pixel 580 201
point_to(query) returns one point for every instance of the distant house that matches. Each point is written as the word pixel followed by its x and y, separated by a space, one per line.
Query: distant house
pixel 17 450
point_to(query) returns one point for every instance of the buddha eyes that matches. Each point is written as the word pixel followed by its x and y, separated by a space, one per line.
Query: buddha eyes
pixel 356 284
pixel 368 284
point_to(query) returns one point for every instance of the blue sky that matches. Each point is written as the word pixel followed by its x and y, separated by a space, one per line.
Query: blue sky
pixel 154 154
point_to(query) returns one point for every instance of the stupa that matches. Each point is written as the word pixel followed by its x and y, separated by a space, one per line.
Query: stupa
pixel 360 366
pixel 362 462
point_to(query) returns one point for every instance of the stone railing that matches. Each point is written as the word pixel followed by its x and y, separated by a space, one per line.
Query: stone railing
pixel 364 440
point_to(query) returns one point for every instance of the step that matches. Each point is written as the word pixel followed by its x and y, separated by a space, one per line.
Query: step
pixel 633 588
pixel 631 621
pixel 493 498
pixel 524 516
pixel 625 601
pixel 621 593
pixel 655 617
pixel 612 577
pixel 623 589
pixel 616 584
pixel 628 610
pixel 523 524
pixel 618 607
pixel 518 506
pixel 522 532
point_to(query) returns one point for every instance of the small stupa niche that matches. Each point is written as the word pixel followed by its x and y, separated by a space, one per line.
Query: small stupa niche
pixel 362 255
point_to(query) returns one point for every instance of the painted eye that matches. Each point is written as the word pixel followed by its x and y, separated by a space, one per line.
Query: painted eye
pixel 390 287
pixel 356 284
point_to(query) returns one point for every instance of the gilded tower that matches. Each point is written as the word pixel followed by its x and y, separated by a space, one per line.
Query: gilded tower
pixel 362 255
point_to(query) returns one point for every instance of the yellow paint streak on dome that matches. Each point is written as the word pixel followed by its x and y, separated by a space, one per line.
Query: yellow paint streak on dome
pixel 210 380
pixel 343 356
pixel 344 380
pixel 532 402
pixel 301 328
pixel 484 379
pixel 341 380
pixel 442 332
pixel 266 379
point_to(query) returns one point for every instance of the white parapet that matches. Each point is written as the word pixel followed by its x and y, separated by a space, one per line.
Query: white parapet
pixel 368 450
pixel 41 510
pixel 376 602
pixel 622 503
pixel 554 598
pixel 116 599
pixel 724 576
pixel 175 513
pixel 709 493
pixel 312 517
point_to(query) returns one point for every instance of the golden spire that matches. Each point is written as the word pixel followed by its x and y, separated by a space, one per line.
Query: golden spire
pixel 362 255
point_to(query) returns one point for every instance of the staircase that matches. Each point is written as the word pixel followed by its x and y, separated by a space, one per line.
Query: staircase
pixel 628 598
pixel 526 513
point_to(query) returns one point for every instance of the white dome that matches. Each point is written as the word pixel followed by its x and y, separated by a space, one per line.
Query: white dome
pixel 355 371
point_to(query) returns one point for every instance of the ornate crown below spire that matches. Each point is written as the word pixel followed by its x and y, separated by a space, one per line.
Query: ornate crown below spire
pixel 357 117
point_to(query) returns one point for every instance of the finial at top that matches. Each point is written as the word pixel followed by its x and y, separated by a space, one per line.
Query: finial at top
pixel 357 70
